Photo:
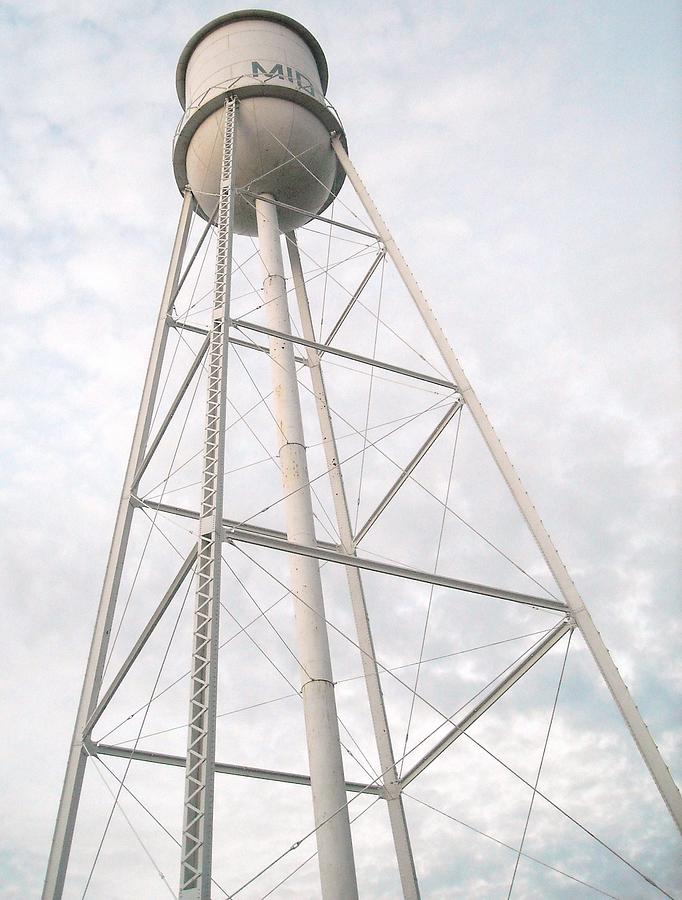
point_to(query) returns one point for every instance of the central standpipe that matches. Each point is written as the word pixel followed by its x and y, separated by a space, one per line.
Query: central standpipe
pixel 334 845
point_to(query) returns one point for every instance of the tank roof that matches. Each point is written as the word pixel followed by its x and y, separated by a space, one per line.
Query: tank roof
pixel 237 16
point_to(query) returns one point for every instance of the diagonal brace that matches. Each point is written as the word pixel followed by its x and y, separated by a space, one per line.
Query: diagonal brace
pixel 193 257
pixel 156 617
pixel 408 470
pixel 196 362
pixel 351 303
pixel 527 662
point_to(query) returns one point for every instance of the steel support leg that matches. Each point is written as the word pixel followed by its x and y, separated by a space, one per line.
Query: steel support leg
pixel 336 863
pixel 75 769
pixel 396 811
pixel 632 716
pixel 197 836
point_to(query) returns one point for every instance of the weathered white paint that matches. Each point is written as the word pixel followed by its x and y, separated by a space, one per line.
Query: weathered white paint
pixel 278 72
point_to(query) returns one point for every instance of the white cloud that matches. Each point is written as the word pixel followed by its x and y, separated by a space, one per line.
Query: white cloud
pixel 526 158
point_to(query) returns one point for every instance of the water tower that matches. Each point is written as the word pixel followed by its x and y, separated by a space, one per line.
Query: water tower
pixel 260 152
pixel 275 162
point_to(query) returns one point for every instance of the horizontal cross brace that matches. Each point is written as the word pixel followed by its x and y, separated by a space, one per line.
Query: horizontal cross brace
pixel 346 354
pixel 305 212
pixel 165 759
pixel 227 523
pixel 277 540
pixel 187 326
pixel 240 342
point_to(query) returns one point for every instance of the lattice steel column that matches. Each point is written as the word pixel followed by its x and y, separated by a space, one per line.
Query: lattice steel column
pixel 195 877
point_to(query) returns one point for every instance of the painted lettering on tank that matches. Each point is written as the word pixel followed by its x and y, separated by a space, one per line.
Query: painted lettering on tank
pixel 304 83
pixel 285 73
pixel 277 71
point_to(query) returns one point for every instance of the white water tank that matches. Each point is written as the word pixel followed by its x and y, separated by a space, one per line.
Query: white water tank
pixel 282 144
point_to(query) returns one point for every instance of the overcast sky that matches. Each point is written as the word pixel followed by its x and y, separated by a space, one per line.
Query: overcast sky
pixel 527 157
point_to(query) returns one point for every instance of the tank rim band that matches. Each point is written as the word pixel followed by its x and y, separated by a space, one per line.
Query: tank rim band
pixel 323 113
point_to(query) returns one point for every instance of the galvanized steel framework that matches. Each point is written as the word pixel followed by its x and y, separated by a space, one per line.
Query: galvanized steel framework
pixel 326 774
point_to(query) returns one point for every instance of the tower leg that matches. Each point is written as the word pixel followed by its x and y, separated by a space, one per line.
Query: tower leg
pixel 197 836
pixel 614 681
pixel 75 769
pixel 396 811
pixel 336 863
